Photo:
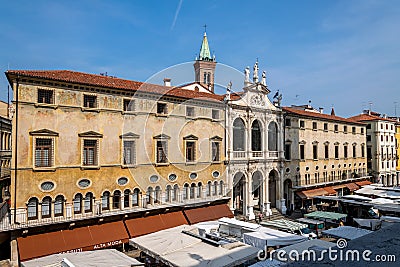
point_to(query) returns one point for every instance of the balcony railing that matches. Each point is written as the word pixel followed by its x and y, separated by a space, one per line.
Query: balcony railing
pixel 256 154
pixel 68 214
pixel 239 154
pixel 273 154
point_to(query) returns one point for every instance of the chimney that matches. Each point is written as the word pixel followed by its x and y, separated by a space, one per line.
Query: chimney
pixel 167 82
pixel 321 110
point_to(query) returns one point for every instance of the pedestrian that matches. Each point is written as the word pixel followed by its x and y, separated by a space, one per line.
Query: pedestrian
pixel 260 217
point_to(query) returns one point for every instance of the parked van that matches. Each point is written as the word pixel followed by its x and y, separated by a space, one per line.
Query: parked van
pixel 314 225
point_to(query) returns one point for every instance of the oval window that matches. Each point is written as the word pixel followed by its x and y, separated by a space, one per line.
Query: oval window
pixel 84 183
pixel 193 175
pixel 287 170
pixel 215 174
pixel 47 186
pixel 153 178
pixel 172 177
pixel 122 181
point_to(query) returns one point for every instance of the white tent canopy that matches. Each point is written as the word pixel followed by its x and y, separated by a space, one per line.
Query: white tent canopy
pixel 233 227
pixel 285 224
pixel 176 248
pixel 347 232
pixel 95 258
pixel 269 237
pixel 207 227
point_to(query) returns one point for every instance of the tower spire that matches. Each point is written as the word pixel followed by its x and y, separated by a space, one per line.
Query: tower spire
pixel 205 54
pixel 204 65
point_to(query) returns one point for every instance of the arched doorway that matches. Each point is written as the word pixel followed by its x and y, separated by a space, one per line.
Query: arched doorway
pixel 287 193
pixel 257 181
pixel 238 192
pixel 273 176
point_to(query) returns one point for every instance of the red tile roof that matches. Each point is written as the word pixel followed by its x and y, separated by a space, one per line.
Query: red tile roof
pixel 305 113
pixel 111 82
pixel 368 117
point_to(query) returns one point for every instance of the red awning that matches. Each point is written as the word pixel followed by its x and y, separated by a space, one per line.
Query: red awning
pixel 365 182
pixel 352 186
pixel 209 213
pixel 146 225
pixel 330 190
pixel 305 194
pixel 79 239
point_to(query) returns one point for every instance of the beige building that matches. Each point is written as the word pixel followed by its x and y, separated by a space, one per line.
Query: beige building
pixel 325 154
pixel 88 145
pixel 381 147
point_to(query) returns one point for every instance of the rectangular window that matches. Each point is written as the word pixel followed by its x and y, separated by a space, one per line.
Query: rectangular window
pixel 190 111
pixel 129 153
pixel 362 130
pixel 90 101
pixel 345 129
pixel 326 151
pixel 162 108
pixel 336 151
pixel 287 151
pixel 315 152
pixel 288 122
pixel 345 152
pixel 215 151
pixel 354 152
pixel 325 126
pixel 45 96
pixel 368 126
pixel 89 152
pixel 129 105
pixel 314 125
pixel 302 124
pixel 363 151
pixel 162 151
pixel 336 128
pixel 44 152
pixel 369 138
pixel 190 151
pixel 215 114
pixel 302 156
pixel 353 130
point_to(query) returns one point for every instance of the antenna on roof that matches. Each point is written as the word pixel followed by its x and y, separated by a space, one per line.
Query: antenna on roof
pixel 370 105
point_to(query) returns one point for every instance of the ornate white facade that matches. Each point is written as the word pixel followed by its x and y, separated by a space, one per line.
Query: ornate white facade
pixel 254 135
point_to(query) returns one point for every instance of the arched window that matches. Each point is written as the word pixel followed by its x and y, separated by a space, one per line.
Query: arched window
pixel 88 202
pixel 46 207
pixel 192 190
pixel 59 206
pixel 185 191
pixel 157 194
pixel 221 188
pixel 238 135
pixel 168 193
pixel 149 195
pixel 127 193
pixel 199 189
pixel 215 189
pixel 78 203
pixel 272 137
pixel 208 189
pixel 256 136
pixel 105 201
pixel 33 208
pixel 117 199
pixel 176 193
pixel 135 197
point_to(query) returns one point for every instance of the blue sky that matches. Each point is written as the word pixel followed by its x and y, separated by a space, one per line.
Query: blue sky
pixel 335 53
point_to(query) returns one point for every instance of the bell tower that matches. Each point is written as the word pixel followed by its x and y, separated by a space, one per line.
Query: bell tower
pixel 204 66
